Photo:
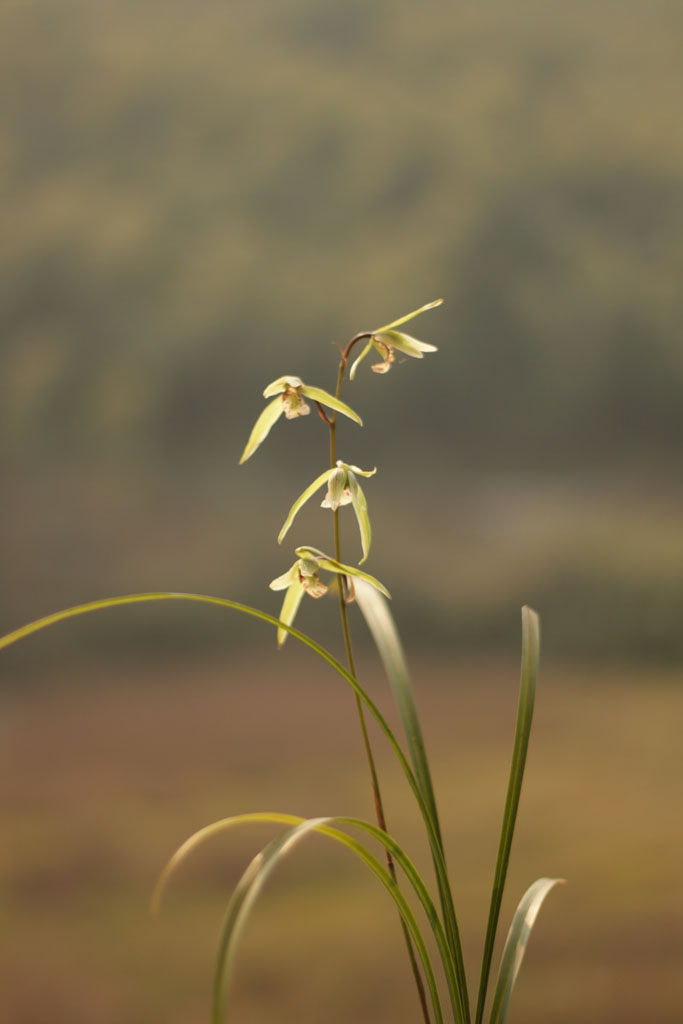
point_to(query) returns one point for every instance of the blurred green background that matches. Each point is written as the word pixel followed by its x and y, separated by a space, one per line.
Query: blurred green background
pixel 198 198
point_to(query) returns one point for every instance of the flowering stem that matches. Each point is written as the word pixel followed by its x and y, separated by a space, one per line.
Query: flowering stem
pixel 379 806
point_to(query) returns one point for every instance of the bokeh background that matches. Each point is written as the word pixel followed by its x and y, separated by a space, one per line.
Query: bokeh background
pixel 197 198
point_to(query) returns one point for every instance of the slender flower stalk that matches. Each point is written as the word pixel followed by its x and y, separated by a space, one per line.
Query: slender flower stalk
pixel 289 394
pixel 376 791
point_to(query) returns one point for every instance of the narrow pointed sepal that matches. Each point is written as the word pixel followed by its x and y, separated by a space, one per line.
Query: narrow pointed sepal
pixel 356 363
pixel 290 607
pixel 405 343
pixel 408 316
pixel 302 499
pixel 360 507
pixel 332 565
pixel 262 427
pixel 318 395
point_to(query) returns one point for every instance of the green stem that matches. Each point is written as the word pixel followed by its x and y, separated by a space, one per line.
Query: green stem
pixel 376 792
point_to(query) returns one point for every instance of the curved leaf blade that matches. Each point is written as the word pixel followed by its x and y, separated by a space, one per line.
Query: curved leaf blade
pixel 130 599
pixel 252 882
pixel 386 841
pixel 516 943
pixel 385 634
pixel 525 712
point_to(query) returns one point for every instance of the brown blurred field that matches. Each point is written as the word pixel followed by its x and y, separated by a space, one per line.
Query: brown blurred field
pixel 104 770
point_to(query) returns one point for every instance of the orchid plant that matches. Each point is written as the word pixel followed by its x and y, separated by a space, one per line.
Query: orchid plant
pixel 442 992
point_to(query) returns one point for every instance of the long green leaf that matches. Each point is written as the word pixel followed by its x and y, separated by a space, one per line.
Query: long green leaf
pixel 114 602
pixel 516 943
pixel 92 606
pixel 381 624
pixel 525 711
pixel 252 882
pixel 384 632
pixel 386 841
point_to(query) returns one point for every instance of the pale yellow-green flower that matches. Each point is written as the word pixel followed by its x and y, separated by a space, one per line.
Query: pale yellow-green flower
pixel 342 489
pixel 303 578
pixel 387 341
pixel 291 393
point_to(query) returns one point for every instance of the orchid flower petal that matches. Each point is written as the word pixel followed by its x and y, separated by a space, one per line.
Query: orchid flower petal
pixel 335 488
pixel 356 363
pixel 360 507
pixel 318 395
pixel 307 552
pixel 332 565
pixel 262 427
pixel 405 343
pixel 302 499
pixel 290 607
pixel 287 578
pixel 279 385
pixel 408 316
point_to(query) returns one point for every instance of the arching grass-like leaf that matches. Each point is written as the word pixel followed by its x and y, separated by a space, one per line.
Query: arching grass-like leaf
pixel 385 840
pixel 516 943
pixel 130 599
pixel 384 632
pixel 525 711
pixel 252 881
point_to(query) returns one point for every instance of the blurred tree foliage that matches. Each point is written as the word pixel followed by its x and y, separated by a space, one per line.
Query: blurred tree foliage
pixel 193 191
pixel 199 197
